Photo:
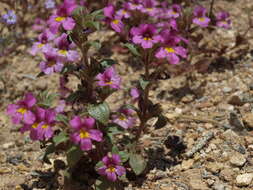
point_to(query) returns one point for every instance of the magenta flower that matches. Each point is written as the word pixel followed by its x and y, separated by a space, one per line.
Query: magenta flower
pixel 60 107
pixel 109 78
pixel 170 50
pixel 124 118
pixel 149 7
pixel 62 17
pixel 200 16
pixel 174 11
pixel 112 19
pixel 63 89
pixel 123 13
pixel 112 167
pixel 41 129
pixel 84 133
pixel 135 94
pixel 42 44
pixel 222 20
pixel 64 49
pixel 134 5
pixel 22 110
pixel 52 63
pixel 145 35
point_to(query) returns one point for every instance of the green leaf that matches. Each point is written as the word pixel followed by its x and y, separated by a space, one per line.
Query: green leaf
pixel 137 163
pixel 40 74
pixel 143 83
pixel 100 112
pixel 161 122
pixel 62 137
pixel 49 150
pixel 93 24
pixel 96 44
pixel 124 156
pixel 108 63
pixel 115 150
pixel 45 99
pixel 132 49
pixel 74 154
pixel 62 118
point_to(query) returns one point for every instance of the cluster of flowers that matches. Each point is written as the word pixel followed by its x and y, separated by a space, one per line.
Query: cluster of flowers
pixel 163 31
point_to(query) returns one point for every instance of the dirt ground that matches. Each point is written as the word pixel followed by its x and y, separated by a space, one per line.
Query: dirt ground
pixel 207 144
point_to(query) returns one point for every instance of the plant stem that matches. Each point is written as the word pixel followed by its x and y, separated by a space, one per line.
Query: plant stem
pixel 211 8
pixel 143 116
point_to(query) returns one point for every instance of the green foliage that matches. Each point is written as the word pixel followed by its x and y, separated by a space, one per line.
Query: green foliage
pixel 74 154
pixel 100 112
pixel 137 163
pixel 132 49
pixel 60 138
pixel 45 99
pixel 62 118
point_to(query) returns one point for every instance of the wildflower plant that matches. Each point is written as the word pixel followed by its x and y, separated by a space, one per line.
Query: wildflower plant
pixel 83 127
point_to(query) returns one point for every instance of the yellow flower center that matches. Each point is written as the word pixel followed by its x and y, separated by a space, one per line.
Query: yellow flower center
pixel 109 82
pixel 147 38
pixel 51 63
pixel 149 9
pixel 63 52
pixel 124 12
pixel 115 21
pixel 111 169
pixel 174 12
pixel 122 117
pixel 170 50
pixel 59 19
pixel 21 110
pixel 202 19
pixel 35 125
pixel 45 126
pixel 40 45
pixel 84 134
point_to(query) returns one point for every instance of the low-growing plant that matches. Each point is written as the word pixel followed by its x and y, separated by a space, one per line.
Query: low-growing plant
pixel 162 35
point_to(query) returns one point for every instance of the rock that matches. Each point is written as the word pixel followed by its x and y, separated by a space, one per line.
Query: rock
pixel 214 167
pixel 8 145
pixel 227 89
pixel 197 184
pixel 187 164
pixel 237 159
pixel 194 179
pixel 227 174
pixel 219 186
pixel 244 179
pixel 248 119
pixel 236 100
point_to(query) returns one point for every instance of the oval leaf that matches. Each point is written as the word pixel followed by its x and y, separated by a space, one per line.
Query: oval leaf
pixel 137 163
pixel 100 112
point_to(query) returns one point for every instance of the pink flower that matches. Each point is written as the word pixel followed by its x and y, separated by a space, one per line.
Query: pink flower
pixel 112 167
pixel 41 129
pixel 134 5
pixel 222 20
pixel 64 49
pixel 170 50
pixel 200 16
pixel 135 94
pixel 52 63
pixel 113 19
pixel 149 7
pixel 175 11
pixel 62 17
pixel 109 78
pixel 42 44
pixel 39 24
pixel 84 133
pixel 145 35
pixel 22 110
pixel 124 118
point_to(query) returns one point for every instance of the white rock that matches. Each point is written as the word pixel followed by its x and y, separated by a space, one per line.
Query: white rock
pixel 237 159
pixel 244 179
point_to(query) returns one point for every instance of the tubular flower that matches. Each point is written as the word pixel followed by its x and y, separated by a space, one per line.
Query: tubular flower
pixel 113 19
pixel 42 44
pixel 52 63
pixel 62 17
pixel 109 78
pixel 112 167
pixel 64 49
pixel 200 17
pixel 222 20
pixel 83 132
pixel 125 118
pixel 22 110
pixel 145 35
